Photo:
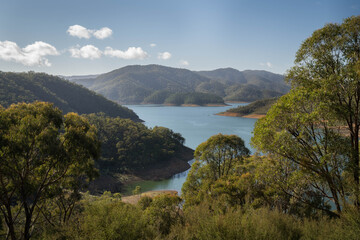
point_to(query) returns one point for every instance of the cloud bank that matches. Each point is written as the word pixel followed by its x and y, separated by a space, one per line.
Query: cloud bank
pixel 31 55
pixel 82 32
pixel 164 55
pixel 184 63
pixel 92 52
pixel 268 64
pixel 87 52
pixel 130 53
pixel 104 32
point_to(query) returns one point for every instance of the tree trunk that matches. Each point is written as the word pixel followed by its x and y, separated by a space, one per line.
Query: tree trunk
pixel 10 222
pixel 356 166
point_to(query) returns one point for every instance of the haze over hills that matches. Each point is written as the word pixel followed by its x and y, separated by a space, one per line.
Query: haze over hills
pixel 68 96
pixel 137 84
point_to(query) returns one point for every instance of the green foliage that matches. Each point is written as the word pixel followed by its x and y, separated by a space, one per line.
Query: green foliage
pixel 298 132
pixel 163 212
pixel 216 160
pixel 237 224
pixel 145 202
pixel 105 218
pixel 43 153
pixel 327 64
pixel 69 97
pixel 137 190
pixel 306 127
pixel 127 145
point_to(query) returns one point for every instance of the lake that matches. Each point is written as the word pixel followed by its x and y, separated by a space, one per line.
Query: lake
pixel 196 125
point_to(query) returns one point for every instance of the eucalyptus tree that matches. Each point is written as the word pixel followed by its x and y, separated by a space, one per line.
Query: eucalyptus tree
pixel 328 63
pixel 316 126
pixel 43 155
pixel 215 159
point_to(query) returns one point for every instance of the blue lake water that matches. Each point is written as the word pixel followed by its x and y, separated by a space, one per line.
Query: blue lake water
pixel 196 125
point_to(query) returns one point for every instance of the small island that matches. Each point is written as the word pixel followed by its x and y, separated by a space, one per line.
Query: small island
pixel 257 109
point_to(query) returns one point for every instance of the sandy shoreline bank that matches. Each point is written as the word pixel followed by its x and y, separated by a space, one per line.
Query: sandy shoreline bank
pixel 232 114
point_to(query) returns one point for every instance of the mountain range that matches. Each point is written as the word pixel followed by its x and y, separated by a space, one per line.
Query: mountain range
pixel 137 84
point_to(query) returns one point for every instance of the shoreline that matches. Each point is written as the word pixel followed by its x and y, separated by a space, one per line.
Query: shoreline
pixel 185 105
pixel 117 182
pixel 197 105
pixel 233 114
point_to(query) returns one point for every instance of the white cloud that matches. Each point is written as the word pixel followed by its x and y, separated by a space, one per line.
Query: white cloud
pixel 130 53
pixel 88 51
pixel 82 32
pixel 184 63
pixel 152 45
pixel 103 33
pixel 33 54
pixel 268 64
pixel 164 55
pixel 79 31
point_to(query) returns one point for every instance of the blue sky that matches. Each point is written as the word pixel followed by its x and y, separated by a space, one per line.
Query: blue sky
pixel 89 37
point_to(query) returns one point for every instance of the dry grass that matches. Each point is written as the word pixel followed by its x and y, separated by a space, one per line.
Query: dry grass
pixel 133 199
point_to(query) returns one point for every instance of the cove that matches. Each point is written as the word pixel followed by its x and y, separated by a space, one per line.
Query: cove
pixel 196 125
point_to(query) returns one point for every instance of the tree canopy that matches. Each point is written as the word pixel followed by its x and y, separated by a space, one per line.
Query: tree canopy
pixel 43 154
pixel 215 159
pixel 316 125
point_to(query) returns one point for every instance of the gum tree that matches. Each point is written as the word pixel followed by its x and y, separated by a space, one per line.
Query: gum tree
pixel 42 152
pixel 316 126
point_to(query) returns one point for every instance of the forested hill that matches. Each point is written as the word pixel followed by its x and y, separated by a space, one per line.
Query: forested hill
pixel 135 84
pixel 258 108
pixel 69 97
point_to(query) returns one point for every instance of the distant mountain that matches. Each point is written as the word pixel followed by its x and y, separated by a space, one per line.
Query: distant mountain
pixel 248 85
pixel 69 97
pixel 137 84
pixel 79 77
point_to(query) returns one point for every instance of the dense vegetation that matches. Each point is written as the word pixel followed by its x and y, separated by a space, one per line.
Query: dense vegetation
pixel 302 183
pixel 154 83
pixel 45 156
pixel 260 107
pixel 69 97
pixel 128 146
pixel 165 97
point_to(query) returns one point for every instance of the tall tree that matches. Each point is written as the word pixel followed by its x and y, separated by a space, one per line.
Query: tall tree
pixel 299 132
pixel 41 153
pixel 215 159
pixel 329 63
pixel 304 127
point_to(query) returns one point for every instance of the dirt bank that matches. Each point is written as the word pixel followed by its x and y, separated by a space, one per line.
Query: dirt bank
pixel 233 114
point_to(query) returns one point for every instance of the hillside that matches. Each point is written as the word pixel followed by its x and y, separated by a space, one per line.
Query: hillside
pixel 137 84
pixel 192 98
pixel 69 97
pixel 255 109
